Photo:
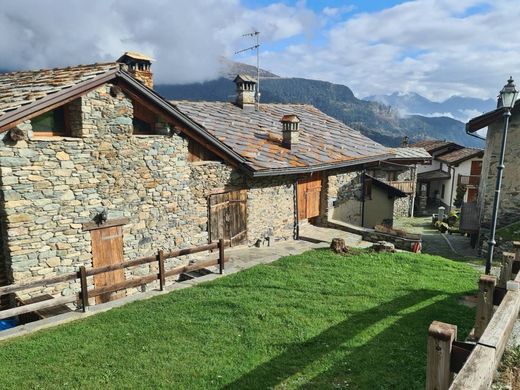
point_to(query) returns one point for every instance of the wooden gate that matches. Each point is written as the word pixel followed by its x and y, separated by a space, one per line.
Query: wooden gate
pixel 309 189
pixel 107 248
pixel 228 216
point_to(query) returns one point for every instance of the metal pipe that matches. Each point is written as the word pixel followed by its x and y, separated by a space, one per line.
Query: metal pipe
pixel 452 185
pixel 500 169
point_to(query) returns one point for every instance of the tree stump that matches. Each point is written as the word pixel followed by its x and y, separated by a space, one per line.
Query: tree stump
pixel 338 245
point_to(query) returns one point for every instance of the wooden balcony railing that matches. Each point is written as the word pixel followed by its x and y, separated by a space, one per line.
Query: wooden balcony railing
pixel 469 180
pixel 404 185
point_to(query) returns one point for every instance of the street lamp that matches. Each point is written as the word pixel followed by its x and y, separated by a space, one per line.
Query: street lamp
pixel 508 96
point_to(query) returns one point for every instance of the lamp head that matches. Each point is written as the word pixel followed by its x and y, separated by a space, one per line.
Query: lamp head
pixel 508 94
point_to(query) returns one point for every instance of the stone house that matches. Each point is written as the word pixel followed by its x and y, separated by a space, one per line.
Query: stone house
pixel 452 166
pixel 93 161
pixel 509 208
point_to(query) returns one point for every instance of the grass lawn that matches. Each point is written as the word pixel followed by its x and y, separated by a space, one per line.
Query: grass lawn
pixel 317 320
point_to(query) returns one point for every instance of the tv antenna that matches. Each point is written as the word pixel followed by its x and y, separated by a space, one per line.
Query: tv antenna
pixel 254 34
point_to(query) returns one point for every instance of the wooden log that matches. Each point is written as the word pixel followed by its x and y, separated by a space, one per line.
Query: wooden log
pixel 485 304
pixel 477 373
pixel 37 306
pixel 338 245
pixel 162 277
pixel 12 288
pixel 123 285
pixel 506 272
pixel 440 339
pixel 221 256
pixel 117 266
pixel 84 288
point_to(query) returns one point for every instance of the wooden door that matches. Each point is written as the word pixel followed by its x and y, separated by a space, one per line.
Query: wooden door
pixel 475 171
pixel 308 191
pixel 107 248
pixel 228 216
pixel 472 194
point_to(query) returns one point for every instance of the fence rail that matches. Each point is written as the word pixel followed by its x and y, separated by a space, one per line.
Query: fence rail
pixel 83 273
pixel 476 362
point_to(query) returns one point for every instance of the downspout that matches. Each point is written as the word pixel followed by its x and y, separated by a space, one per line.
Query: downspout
pixel 414 187
pixel 452 186
pixel 296 232
pixel 363 198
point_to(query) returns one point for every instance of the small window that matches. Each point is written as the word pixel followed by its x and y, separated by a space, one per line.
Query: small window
pixel 443 189
pixel 143 120
pixel 52 123
pixel 198 153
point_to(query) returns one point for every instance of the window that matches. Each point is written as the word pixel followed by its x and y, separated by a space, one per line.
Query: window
pixel 143 120
pixel 51 123
pixel 443 189
pixel 196 152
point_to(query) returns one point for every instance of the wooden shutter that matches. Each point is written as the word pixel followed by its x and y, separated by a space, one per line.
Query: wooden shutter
pixel 308 192
pixel 228 216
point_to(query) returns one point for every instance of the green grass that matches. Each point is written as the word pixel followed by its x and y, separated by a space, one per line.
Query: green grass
pixel 317 320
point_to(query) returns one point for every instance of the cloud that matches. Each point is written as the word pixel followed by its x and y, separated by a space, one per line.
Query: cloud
pixel 437 48
pixel 186 37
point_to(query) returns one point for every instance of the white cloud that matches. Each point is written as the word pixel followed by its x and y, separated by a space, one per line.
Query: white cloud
pixel 437 48
pixel 186 37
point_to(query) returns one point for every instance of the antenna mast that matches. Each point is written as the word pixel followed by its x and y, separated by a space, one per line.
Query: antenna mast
pixel 257 48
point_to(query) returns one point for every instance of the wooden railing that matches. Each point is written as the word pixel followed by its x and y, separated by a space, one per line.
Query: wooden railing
pixel 468 180
pixel 404 185
pixel 476 362
pixel 83 273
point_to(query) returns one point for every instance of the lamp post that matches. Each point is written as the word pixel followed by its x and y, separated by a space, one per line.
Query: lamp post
pixel 508 96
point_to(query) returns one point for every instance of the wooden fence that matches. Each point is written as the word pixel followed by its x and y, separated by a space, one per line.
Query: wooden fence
pixel 83 273
pixel 475 362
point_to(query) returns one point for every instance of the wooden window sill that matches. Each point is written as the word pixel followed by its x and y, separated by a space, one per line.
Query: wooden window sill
pixel 54 138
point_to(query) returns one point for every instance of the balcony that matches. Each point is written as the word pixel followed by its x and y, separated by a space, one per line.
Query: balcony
pixel 404 185
pixel 470 181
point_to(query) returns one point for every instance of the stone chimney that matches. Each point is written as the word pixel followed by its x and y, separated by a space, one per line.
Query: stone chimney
pixel 138 66
pixel 246 91
pixel 290 130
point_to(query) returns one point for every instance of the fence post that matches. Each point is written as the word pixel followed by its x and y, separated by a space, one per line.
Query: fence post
pixel 83 285
pixel 221 255
pixel 516 263
pixel 162 277
pixel 487 285
pixel 440 339
pixel 506 272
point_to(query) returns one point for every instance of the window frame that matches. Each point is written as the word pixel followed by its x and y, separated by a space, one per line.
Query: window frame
pixel 65 132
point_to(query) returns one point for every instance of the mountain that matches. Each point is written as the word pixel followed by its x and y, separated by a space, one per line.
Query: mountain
pixel 457 107
pixel 380 122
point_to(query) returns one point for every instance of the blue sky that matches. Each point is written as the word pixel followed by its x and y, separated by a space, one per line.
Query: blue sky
pixel 437 48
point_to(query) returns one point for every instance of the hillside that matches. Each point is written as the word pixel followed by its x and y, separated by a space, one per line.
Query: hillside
pixel 379 122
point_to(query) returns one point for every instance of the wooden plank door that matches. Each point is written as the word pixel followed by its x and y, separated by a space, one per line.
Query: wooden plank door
pixel 475 171
pixel 308 192
pixel 107 248
pixel 472 194
pixel 228 216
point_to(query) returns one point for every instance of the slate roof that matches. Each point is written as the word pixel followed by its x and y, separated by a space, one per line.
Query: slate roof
pixel 22 88
pixel 433 175
pixel 257 135
pixel 411 153
pixel 458 156
pixel 432 145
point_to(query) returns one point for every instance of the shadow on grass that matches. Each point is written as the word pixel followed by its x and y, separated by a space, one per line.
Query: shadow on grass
pixel 383 347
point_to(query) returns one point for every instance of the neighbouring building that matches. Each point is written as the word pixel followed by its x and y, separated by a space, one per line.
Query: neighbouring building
pixel 93 161
pixel 453 166
pixel 509 209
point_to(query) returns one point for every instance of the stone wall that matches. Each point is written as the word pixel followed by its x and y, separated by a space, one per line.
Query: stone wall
pixel 343 196
pixel 509 210
pixel 52 186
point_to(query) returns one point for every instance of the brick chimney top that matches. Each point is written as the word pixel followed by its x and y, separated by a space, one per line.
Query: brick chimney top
pixel 138 66
pixel 290 130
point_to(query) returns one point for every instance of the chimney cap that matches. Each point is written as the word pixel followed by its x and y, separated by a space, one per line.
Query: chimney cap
pixel 134 55
pixel 291 118
pixel 244 78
